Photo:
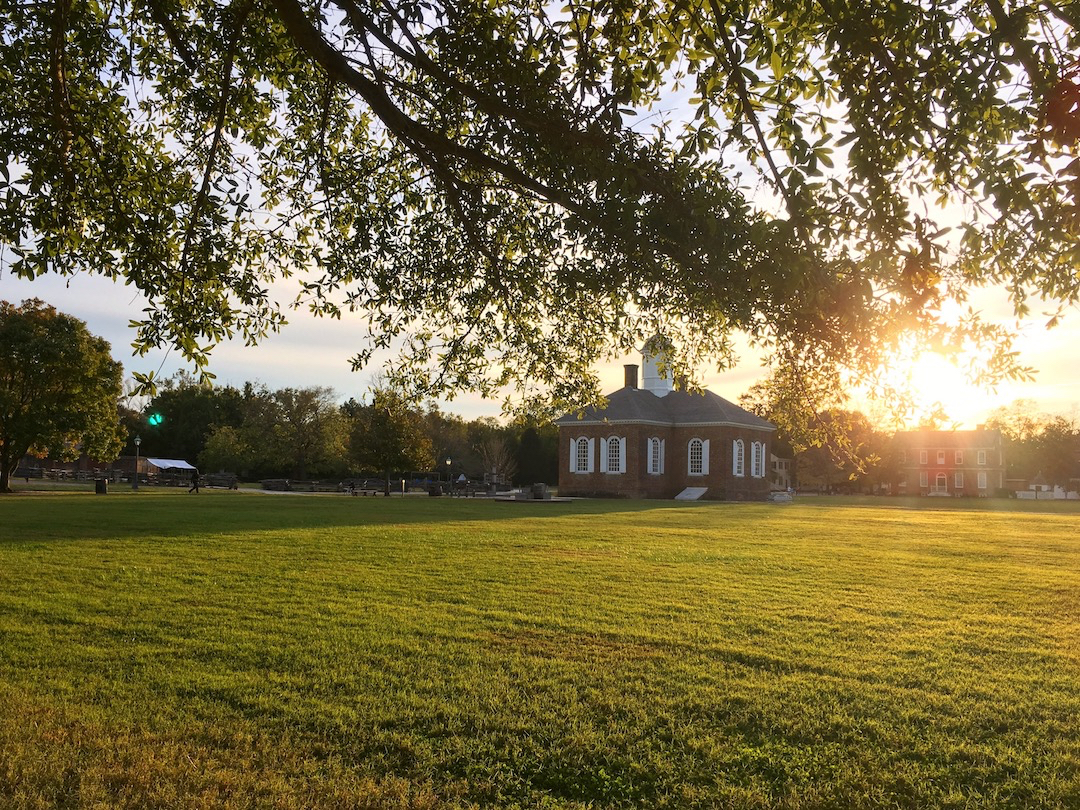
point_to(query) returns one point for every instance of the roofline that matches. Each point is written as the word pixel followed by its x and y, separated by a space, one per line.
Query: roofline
pixel 593 422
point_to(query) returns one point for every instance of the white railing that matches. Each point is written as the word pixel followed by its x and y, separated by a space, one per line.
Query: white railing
pixel 936 490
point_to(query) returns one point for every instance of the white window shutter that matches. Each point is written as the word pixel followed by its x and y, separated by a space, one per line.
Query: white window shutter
pixel 592 456
pixel 603 456
pixel 573 455
pixel 622 454
pixel 705 457
pixel 662 442
pixel 735 457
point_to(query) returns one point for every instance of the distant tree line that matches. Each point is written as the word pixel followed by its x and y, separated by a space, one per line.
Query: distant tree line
pixel 1038 443
pixel 304 433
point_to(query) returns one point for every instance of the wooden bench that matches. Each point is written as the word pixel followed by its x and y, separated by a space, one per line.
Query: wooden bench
pixel 363 486
pixel 223 480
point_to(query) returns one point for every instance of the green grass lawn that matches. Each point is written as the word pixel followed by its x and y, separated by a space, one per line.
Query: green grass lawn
pixel 244 650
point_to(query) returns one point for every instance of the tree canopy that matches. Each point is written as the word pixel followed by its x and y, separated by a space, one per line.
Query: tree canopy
pixel 507 191
pixel 59 388
pixel 187 411
pixel 386 434
pixel 1038 444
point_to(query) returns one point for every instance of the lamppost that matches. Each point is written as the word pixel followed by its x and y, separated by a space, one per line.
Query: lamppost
pixel 449 481
pixel 135 478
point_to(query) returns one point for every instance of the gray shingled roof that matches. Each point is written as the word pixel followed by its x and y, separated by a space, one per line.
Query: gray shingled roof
pixel 676 408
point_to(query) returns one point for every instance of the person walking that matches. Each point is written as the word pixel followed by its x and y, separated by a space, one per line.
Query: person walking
pixel 194 482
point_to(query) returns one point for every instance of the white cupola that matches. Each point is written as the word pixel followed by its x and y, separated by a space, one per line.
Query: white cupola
pixel 654 355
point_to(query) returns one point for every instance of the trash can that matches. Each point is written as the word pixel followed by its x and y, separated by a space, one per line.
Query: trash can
pixel 101 486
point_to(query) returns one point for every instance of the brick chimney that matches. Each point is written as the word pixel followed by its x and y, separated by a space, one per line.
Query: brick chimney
pixel 630 370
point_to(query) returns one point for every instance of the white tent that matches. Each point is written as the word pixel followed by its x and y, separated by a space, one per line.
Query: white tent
pixel 170 463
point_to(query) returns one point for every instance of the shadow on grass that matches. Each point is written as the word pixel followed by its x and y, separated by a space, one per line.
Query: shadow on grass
pixel 43 517
pixel 942 504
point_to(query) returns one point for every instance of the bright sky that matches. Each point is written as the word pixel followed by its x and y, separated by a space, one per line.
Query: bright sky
pixel 312 352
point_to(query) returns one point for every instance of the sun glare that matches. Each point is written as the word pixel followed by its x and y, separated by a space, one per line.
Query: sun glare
pixel 935 381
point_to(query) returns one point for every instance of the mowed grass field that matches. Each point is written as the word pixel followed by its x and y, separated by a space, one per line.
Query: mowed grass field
pixel 241 650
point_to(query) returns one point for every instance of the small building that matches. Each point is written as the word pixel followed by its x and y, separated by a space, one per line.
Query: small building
pixel 950 462
pixel 163 471
pixel 780 472
pixel 656 442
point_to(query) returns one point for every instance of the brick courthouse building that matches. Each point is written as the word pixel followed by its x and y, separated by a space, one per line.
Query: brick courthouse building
pixel 655 442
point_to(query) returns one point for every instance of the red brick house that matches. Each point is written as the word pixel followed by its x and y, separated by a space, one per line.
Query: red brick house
pixel 950 462
pixel 655 442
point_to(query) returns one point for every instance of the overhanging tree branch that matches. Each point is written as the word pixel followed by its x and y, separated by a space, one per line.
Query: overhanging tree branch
pixel 162 18
pixel 241 9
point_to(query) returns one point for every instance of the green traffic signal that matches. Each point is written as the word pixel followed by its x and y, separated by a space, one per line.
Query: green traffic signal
pixel 155 419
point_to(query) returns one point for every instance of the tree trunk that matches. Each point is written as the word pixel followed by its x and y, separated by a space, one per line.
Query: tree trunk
pixel 6 469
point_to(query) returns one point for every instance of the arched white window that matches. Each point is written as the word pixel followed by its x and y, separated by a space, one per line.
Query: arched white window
pixel 613 455
pixel 757 459
pixel 581 455
pixel 738 458
pixel 697 457
pixel 656 456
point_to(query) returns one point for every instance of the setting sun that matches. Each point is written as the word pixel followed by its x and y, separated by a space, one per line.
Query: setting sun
pixel 936 384
pixel 927 387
